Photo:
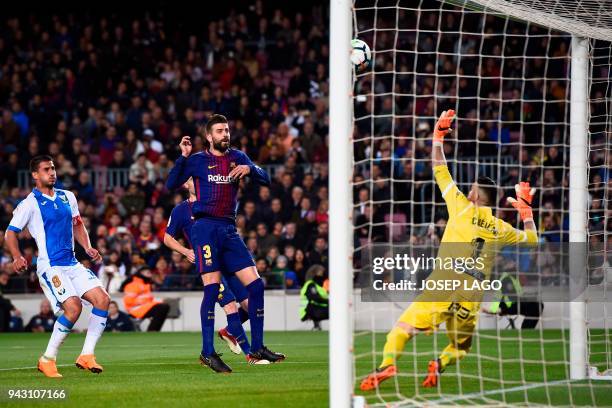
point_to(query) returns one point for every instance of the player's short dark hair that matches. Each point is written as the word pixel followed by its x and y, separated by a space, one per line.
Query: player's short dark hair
pixel 35 162
pixel 489 187
pixel 213 120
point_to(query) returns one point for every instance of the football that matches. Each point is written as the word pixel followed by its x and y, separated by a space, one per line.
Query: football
pixel 360 54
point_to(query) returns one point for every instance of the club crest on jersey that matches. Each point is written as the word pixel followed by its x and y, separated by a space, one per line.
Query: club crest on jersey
pixel 232 165
pixel 219 179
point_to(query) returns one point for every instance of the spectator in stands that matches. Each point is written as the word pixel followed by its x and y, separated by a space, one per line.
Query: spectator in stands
pixel 16 325
pixel 161 272
pixel 44 320
pixel 300 266
pixel 183 278
pixel 265 240
pixel 319 254
pixel 139 301
pixel 134 199
pixel 128 110
pixel 7 310
pixel 113 272
pixel 118 321
pixel 263 267
pixel 142 171
pixel 84 188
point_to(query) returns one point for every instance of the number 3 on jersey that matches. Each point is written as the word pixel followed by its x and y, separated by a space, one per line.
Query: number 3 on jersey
pixel 207 253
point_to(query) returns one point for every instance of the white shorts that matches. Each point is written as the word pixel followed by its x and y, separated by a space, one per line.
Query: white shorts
pixel 61 282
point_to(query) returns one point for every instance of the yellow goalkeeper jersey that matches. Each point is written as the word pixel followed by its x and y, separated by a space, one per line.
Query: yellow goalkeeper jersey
pixel 471 232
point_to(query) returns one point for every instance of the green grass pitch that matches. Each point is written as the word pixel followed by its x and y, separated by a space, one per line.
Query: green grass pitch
pixel 161 369
pixel 514 369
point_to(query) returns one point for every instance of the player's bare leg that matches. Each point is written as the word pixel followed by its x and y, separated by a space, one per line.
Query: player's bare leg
pixel 61 330
pixel 396 340
pixel 97 323
pixel 255 287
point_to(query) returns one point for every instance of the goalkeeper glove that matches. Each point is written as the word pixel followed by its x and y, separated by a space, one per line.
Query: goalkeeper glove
pixel 522 202
pixel 442 127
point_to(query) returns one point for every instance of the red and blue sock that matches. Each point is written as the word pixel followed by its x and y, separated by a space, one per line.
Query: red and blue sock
pixel 234 327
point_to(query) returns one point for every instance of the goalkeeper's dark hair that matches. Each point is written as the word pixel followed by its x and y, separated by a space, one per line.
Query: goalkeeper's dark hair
pixel 488 186
pixel 213 120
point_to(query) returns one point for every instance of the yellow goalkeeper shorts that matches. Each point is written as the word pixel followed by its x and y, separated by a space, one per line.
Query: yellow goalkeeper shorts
pixel 458 316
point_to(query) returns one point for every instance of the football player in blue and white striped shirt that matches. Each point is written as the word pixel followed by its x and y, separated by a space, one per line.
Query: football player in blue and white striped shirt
pixel 52 217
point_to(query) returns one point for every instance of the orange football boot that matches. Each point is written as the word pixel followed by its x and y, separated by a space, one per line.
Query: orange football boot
pixel 433 374
pixel 381 374
pixel 48 368
pixel 88 362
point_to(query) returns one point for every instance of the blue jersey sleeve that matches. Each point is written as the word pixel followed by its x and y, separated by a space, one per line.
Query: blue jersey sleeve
pixel 179 174
pixel 175 223
pixel 257 174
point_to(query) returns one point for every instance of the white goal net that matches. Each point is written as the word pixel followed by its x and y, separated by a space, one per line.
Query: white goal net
pixel 505 67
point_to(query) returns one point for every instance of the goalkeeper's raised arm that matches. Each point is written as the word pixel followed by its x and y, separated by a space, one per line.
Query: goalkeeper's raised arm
pixel 456 201
pixel 483 192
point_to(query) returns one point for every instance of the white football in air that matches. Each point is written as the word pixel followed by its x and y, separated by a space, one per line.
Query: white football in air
pixel 360 54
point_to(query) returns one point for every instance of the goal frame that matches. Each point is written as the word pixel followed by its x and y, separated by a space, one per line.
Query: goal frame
pixel 340 228
pixel 340 174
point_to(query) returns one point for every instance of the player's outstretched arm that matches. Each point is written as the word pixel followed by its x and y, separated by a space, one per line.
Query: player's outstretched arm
pixel 178 174
pixel 441 129
pixel 522 203
pixel 454 198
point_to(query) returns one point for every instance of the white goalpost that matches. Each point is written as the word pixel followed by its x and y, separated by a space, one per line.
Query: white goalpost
pixel 531 81
pixel 578 192
pixel 340 231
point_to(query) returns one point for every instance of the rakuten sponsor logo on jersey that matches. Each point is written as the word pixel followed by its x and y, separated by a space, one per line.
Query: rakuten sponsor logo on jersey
pixel 219 179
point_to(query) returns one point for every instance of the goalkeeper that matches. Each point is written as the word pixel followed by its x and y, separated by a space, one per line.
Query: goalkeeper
pixel 471 231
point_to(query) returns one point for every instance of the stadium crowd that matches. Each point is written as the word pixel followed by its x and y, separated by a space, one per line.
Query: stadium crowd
pixel 105 95
pixel 509 83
